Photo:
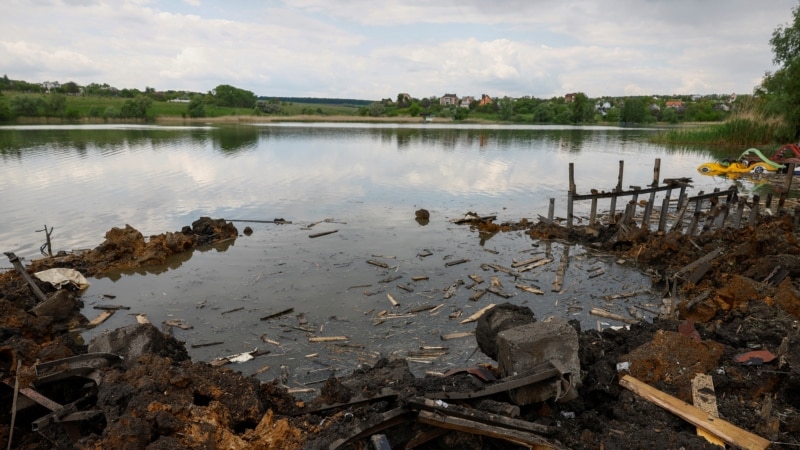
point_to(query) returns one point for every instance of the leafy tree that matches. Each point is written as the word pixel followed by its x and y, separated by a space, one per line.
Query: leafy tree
pixel 376 109
pixel 415 109
pixel 227 95
pixel 27 106
pixel 136 108
pixel 670 115
pixel 781 89
pixel 70 87
pixel 196 107
pixel 5 112
pixel 505 109
pixel 461 113
pixel 57 106
pixel 612 115
pixel 544 113
pixel 634 110
pixel 582 109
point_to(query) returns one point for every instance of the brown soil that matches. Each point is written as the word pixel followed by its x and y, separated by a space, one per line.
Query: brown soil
pixel 748 299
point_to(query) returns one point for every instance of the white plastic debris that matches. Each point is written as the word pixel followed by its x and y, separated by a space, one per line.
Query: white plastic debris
pixel 60 276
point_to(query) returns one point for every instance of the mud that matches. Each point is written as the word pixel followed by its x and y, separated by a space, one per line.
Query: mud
pixel 746 299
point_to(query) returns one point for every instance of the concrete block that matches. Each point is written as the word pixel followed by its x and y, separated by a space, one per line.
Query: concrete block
pixel 522 348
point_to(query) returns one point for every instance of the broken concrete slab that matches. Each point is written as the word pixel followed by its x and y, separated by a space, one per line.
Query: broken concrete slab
pixel 523 347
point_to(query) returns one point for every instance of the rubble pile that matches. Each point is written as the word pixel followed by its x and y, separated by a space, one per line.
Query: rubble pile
pixel 728 339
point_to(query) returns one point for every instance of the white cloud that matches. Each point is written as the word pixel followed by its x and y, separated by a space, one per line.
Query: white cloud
pixel 363 49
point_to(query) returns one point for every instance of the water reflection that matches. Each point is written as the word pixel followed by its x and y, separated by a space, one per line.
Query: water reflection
pixel 87 179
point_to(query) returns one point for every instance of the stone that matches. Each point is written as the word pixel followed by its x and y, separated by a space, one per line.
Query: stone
pixel 524 347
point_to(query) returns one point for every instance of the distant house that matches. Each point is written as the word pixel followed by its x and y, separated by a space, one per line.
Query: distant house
pixel 485 100
pixel 569 98
pixel 677 104
pixel 466 101
pixel 50 85
pixel 404 98
pixel 448 99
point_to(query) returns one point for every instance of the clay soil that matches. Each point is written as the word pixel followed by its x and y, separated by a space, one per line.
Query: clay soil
pixel 746 299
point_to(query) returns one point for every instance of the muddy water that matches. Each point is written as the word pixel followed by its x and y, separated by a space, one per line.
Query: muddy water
pixel 368 181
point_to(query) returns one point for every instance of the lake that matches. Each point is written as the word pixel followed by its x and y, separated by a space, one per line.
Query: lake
pixel 363 181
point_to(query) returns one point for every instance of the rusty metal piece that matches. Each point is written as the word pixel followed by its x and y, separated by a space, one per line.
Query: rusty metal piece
pixel 541 372
pixel 81 365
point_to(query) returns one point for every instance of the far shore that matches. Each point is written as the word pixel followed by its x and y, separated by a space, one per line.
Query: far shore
pixel 307 118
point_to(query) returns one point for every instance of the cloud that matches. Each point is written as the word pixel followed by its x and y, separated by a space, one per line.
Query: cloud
pixel 363 49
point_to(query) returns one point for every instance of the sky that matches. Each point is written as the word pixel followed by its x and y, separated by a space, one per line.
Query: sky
pixel 369 50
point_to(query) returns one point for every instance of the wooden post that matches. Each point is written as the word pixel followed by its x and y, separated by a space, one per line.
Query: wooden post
pixel 696 217
pixel 768 201
pixel 26 276
pixel 739 213
pixel 593 214
pixel 570 193
pixel 662 219
pixel 632 203
pixel 649 208
pixel 754 211
pixel 551 210
pixel 682 205
pixel 616 189
pixel 787 185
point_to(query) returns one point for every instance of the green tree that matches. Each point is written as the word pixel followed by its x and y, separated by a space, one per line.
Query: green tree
pixel 57 106
pixel 70 87
pixel 226 95
pixel 634 110
pixel 461 113
pixel 376 109
pixel 196 107
pixel 136 108
pixel 415 109
pixel 505 109
pixel 582 109
pixel 781 89
pixel 27 106
pixel 612 115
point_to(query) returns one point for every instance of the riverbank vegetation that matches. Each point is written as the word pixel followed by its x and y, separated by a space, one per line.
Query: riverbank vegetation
pixel 770 116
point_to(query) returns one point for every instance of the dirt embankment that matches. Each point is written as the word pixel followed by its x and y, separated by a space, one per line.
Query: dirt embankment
pixel 733 313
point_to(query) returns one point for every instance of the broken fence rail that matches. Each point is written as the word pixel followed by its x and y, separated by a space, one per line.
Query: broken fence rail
pixel 715 207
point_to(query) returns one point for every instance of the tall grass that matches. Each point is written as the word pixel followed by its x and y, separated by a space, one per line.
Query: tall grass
pixel 748 126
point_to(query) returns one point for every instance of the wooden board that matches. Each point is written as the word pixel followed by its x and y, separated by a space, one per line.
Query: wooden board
pixel 724 430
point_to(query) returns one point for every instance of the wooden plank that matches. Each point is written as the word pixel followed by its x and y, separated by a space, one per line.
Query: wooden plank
pixel 14 260
pixel 704 398
pixel 102 317
pixel 488 418
pixel 609 315
pixel 328 338
pixel 478 314
pixel 728 432
pixel 527 439
pixel 324 233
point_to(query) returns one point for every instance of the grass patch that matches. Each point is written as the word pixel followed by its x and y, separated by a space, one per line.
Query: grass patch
pixel 746 128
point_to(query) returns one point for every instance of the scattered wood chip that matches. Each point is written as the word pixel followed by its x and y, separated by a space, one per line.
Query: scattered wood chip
pixel 477 279
pixel 456 262
pixel 392 300
pixel 419 278
pixel 324 233
pixel 447 337
pixel 530 289
pixel 327 338
pixel 378 263
pixel 102 317
pixel 278 314
pixel 478 314
pixel 178 323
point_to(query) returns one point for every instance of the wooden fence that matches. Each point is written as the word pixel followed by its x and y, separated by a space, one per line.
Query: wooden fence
pixel 710 210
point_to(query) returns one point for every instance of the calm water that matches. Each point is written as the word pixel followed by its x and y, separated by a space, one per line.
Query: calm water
pixel 367 180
